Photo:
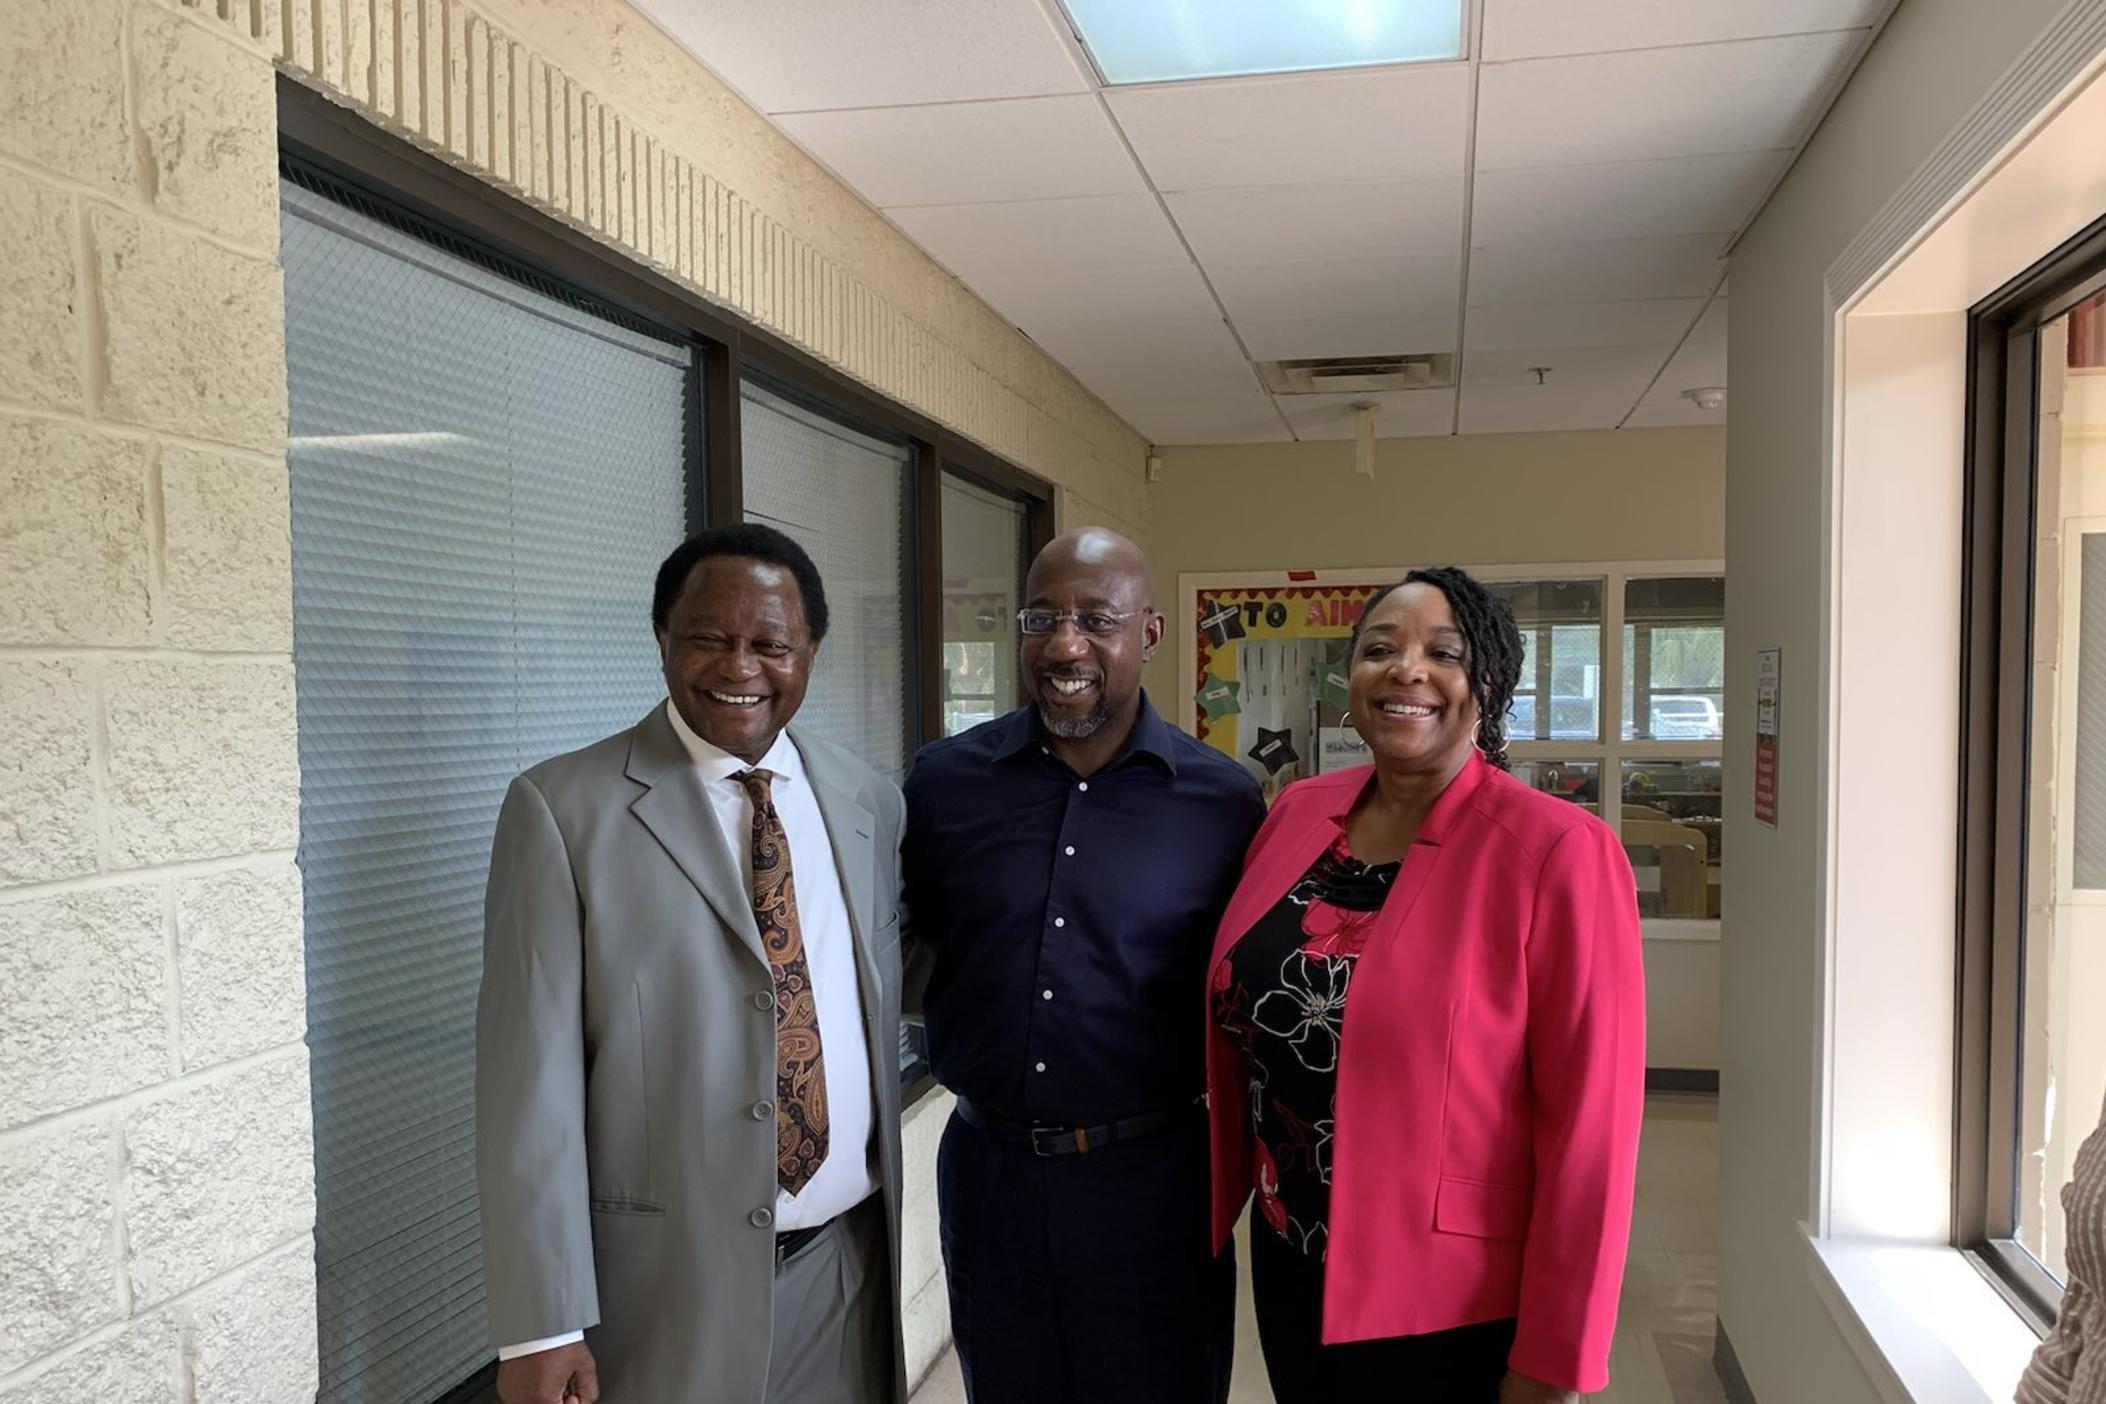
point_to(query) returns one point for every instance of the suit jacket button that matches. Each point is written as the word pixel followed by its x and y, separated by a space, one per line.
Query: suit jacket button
pixel 761 1218
pixel 763 1001
pixel 763 1110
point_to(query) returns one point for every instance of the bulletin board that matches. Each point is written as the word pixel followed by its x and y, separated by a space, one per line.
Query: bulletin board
pixel 1265 658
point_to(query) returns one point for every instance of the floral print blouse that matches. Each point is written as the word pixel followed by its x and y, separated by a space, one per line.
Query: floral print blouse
pixel 1281 999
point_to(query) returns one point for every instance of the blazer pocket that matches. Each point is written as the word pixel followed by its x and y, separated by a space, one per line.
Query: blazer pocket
pixel 622 1204
pixel 888 934
pixel 1481 1210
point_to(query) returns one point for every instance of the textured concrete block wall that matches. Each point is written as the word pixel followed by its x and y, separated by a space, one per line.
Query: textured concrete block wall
pixel 156 1160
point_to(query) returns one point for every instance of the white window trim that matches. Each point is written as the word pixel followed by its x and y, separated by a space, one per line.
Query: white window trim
pixel 1609 750
pixel 2011 182
pixel 1923 1320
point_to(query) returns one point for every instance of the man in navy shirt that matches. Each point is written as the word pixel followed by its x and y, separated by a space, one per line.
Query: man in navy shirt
pixel 1065 868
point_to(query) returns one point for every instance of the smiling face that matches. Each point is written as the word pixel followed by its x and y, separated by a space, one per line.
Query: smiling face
pixel 1410 686
pixel 738 654
pixel 1082 682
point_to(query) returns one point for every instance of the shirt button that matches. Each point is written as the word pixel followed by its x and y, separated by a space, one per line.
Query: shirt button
pixel 1041 1067
pixel 763 1001
pixel 761 1218
pixel 1070 850
pixel 1060 921
pixel 1048 994
pixel 763 1110
pixel 1084 787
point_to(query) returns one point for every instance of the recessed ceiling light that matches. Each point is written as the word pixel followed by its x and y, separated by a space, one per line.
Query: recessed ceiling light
pixel 1152 41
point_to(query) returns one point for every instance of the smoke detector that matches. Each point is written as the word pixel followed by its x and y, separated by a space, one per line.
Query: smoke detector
pixel 1359 375
pixel 1707 397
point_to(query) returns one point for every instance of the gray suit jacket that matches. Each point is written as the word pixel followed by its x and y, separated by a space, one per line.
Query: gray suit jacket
pixel 626 1034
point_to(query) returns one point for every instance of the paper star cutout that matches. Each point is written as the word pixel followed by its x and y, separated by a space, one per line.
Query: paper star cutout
pixel 1275 750
pixel 1221 622
pixel 1335 689
pixel 1220 698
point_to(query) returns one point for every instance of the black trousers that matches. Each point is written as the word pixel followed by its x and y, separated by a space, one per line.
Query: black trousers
pixel 1463 1366
pixel 1085 1279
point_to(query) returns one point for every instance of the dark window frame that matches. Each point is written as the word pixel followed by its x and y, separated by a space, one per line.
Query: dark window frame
pixel 1996 698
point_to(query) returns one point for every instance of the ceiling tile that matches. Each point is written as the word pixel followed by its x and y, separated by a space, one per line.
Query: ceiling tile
pixel 1572 366
pixel 1701 362
pixel 1042 297
pixel 1245 417
pixel 1753 96
pixel 1519 29
pixel 873 53
pixel 1322 223
pixel 1303 130
pixel 1606 270
pixel 1404 414
pixel 1512 410
pixel 1367 334
pixel 1136 341
pixel 1127 358
pixel 972 153
pixel 1572 325
pixel 1104 231
pixel 1401 287
pixel 1621 200
pixel 1592 388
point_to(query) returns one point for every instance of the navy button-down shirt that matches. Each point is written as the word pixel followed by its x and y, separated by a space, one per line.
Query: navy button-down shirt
pixel 1071 918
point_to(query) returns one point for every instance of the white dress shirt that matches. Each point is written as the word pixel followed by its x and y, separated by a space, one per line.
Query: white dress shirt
pixel 845 1178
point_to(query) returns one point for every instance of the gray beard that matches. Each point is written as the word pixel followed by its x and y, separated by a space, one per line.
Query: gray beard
pixel 1076 728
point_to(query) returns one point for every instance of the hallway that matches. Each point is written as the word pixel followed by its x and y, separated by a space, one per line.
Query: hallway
pixel 1670 1291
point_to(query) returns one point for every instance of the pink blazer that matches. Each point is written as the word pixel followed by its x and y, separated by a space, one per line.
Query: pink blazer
pixel 1491 1079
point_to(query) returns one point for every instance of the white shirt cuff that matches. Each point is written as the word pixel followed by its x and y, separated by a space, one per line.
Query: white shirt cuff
pixel 513 1352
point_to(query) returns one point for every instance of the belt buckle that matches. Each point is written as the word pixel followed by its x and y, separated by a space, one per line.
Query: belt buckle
pixel 1051 1141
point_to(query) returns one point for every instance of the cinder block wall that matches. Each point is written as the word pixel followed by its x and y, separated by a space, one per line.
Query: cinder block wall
pixel 156 1186
pixel 156 1165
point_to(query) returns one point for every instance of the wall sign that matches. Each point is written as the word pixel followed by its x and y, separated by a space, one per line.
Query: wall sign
pixel 1768 669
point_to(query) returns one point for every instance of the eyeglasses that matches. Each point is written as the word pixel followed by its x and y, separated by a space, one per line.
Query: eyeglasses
pixel 1097 623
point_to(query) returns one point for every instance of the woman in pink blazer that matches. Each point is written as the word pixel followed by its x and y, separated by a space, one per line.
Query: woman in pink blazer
pixel 1426 1043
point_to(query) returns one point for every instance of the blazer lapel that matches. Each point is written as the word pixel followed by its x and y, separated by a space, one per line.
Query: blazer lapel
pixel 1278 866
pixel 675 807
pixel 851 829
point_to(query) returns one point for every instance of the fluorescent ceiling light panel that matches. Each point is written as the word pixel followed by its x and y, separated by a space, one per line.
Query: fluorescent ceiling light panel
pixel 1152 41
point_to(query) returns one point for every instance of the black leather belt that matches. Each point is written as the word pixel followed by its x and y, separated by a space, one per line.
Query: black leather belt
pixel 1066 1140
pixel 791 1242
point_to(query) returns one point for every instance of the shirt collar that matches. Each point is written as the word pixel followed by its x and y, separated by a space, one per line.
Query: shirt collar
pixel 1151 736
pixel 715 763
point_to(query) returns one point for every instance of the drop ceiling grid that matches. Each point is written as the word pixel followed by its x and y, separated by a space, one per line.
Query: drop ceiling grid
pixel 1562 196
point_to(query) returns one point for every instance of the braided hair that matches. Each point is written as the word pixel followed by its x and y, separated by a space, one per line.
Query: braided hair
pixel 1492 638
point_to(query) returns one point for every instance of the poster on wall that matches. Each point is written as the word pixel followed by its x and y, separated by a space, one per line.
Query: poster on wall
pixel 1269 681
pixel 1768 671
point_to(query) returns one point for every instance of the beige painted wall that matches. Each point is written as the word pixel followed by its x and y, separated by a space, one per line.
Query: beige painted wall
pixel 156 1184
pixel 1930 65
pixel 1477 500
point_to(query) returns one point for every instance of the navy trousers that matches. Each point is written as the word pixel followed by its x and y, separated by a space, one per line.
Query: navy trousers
pixel 1085 1277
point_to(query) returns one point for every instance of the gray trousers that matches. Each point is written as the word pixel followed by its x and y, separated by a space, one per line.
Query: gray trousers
pixel 833 1315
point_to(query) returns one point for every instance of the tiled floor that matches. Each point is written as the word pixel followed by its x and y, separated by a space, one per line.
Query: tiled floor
pixel 1670 1290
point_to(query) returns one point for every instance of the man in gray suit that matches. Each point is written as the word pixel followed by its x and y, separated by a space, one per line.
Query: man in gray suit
pixel 687 1091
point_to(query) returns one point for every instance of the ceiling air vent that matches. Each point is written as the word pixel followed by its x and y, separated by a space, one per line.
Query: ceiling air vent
pixel 1359 375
